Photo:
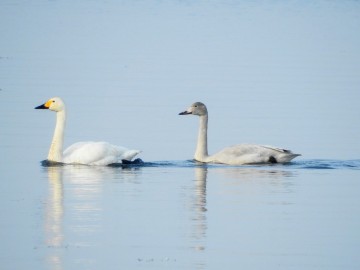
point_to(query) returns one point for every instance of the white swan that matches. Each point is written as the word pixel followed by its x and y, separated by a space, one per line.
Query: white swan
pixel 88 153
pixel 234 155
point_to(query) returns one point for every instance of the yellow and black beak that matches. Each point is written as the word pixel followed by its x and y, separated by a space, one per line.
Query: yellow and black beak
pixel 43 106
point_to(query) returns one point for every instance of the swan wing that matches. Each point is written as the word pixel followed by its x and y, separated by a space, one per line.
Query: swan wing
pixel 97 153
pixel 281 150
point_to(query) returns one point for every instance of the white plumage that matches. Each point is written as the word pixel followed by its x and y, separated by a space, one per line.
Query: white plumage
pixel 237 154
pixel 89 153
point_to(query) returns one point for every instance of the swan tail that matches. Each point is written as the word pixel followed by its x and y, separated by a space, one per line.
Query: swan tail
pixel 286 157
pixel 130 154
pixel 281 155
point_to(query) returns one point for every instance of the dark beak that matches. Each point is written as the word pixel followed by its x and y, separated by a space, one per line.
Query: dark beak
pixel 185 113
pixel 41 107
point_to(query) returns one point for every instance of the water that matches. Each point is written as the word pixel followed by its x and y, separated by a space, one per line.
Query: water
pixel 183 215
pixel 270 72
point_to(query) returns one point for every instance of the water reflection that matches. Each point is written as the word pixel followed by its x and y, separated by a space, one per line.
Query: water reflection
pixel 252 172
pixel 54 212
pixel 77 206
pixel 237 181
pixel 71 224
pixel 199 207
pixel 231 177
pixel 278 177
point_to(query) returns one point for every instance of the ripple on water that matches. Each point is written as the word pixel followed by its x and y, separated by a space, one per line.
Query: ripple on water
pixel 314 164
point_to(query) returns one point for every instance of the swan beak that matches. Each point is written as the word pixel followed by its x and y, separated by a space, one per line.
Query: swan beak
pixel 43 106
pixel 185 113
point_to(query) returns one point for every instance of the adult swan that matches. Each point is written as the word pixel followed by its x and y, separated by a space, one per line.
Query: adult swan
pixel 88 153
pixel 234 155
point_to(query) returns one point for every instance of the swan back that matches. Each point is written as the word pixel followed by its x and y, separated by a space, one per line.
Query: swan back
pixel 97 153
pixel 252 154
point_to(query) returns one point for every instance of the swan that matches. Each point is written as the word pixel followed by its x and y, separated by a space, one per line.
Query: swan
pixel 87 153
pixel 237 154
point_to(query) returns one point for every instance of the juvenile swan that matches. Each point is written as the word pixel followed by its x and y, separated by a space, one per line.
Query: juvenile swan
pixel 234 155
pixel 89 153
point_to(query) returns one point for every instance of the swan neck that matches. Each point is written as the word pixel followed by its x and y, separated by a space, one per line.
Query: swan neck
pixel 201 152
pixel 56 148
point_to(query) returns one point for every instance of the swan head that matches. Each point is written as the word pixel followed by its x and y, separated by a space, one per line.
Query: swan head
pixel 54 104
pixel 197 108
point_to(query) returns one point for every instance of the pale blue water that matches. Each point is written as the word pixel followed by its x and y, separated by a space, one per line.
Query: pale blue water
pixel 270 72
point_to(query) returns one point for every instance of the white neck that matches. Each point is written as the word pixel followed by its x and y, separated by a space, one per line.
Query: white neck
pixel 56 148
pixel 201 152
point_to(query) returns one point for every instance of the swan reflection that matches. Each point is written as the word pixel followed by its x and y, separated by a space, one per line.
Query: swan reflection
pixel 198 209
pixel 279 179
pixel 235 182
pixel 54 236
pixel 81 187
pixel 253 172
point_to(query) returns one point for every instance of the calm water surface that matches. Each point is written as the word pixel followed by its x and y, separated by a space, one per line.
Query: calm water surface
pixel 183 215
pixel 270 72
